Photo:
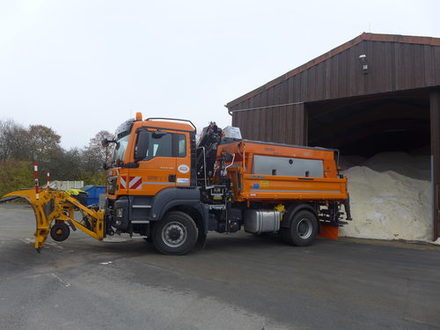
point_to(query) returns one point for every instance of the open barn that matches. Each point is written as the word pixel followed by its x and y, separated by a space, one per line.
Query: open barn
pixel 376 98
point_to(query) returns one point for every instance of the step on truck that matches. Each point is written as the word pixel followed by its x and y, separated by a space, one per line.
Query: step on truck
pixel 164 186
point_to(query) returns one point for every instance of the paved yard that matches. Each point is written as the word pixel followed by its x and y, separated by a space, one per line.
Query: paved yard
pixel 237 282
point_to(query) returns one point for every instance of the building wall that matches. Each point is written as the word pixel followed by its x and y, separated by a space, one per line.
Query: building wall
pixel 392 66
pixel 286 124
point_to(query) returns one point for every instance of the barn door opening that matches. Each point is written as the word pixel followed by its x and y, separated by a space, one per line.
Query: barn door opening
pixel 385 143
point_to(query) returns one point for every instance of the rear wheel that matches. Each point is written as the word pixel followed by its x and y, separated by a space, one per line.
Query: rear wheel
pixel 303 229
pixel 59 232
pixel 176 233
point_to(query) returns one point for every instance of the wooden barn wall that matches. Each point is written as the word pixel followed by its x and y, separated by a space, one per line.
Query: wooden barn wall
pixel 391 67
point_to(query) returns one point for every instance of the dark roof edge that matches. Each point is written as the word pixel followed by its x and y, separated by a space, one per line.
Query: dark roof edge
pixel 431 41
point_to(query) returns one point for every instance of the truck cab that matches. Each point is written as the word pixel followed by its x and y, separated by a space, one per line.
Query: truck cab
pixel 150 156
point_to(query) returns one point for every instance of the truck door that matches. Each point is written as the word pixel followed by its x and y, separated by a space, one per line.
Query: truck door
pixel 158 169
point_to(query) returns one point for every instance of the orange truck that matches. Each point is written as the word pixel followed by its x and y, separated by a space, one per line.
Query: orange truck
pixel 164 186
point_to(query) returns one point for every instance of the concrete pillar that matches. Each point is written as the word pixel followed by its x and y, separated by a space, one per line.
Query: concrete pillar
pixel 434 105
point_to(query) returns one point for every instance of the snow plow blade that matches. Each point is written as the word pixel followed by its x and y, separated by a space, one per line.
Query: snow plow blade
pixel 8 199
pixel 54 207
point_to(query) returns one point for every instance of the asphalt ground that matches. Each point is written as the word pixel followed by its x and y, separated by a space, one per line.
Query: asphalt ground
pixel 237 282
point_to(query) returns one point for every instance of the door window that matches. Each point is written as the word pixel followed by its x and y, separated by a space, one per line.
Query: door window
pixel 161 145
pixel 181 145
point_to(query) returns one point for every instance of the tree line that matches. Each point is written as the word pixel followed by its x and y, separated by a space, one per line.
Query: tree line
pixel 21 146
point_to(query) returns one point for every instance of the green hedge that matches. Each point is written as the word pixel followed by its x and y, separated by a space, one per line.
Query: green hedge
pixel 15 175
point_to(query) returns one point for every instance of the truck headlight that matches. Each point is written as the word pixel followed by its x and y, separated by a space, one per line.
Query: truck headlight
pixel 111 185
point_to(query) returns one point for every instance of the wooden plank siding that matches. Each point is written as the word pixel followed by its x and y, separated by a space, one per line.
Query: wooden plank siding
pixel 392 67
pixel 356 46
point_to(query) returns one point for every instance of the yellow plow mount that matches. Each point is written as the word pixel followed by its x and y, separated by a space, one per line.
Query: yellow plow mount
pixel 54 207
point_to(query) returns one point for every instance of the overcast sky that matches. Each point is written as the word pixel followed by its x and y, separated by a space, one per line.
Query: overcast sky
pixel 82 66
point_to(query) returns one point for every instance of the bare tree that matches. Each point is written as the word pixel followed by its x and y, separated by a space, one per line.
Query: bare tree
pixel 95 155
pixel 14 141
pixel 19 145
pixel 44 142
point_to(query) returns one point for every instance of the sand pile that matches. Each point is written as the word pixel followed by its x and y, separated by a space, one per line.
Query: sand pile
pixel 390 197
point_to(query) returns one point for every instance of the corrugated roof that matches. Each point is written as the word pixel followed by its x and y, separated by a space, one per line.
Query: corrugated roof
pixel 364 36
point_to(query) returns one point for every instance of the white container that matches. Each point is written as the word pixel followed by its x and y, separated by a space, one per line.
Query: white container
pixel 232 132
pixel 66 185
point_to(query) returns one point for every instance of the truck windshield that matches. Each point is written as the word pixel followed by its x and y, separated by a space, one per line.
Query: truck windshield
pixel 121 146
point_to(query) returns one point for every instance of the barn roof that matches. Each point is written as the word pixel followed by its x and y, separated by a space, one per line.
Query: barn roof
pixel 395 38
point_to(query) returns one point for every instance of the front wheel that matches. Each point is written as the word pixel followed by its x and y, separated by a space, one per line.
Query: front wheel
pixel 176 233
pixel 59 231
pixel 303 229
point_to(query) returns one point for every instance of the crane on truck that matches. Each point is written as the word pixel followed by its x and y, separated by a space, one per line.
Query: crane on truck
pixel 164 186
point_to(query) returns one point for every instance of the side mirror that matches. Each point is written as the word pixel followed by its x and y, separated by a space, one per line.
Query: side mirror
pixel 105 142
pixel 141 145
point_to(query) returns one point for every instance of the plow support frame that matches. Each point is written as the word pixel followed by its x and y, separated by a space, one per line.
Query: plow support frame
pixel 55 205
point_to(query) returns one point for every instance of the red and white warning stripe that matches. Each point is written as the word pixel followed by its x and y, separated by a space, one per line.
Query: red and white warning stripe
pixel 134 182
pixel 122 181
pixel 37 185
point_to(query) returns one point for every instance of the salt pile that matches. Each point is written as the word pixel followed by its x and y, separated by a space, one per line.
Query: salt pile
pixel 390 196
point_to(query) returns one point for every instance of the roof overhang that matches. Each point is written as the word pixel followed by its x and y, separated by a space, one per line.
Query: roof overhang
pixel 430 41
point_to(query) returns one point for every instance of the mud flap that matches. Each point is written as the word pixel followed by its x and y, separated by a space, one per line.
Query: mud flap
pixel 330 232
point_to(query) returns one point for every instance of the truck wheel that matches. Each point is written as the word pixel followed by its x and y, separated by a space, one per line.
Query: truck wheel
pixel 176 233
pixel 303 229
pixel 59 232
